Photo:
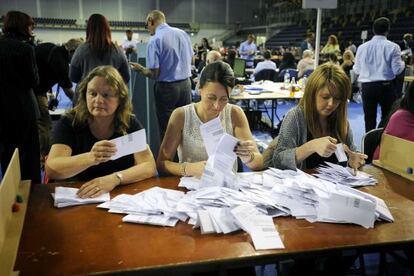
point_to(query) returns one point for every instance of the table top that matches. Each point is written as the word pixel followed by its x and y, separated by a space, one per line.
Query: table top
pixel 86 239
pixel 270 91
pixel 409 78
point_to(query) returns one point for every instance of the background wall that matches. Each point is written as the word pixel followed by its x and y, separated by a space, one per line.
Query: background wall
pixel 214 17
pixel 196 11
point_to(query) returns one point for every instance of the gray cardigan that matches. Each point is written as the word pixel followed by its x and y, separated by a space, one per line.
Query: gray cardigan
pixel 293 133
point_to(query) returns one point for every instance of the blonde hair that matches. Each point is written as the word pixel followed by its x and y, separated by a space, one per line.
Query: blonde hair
pixel 307 53
pixel 348 55
pixel 123 113
pixel 332 77
pixel 333 38
pixel 156 16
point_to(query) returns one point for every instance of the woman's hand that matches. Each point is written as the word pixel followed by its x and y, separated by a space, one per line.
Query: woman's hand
pixel 355 159
pixel 102 151
pixel 98 186
pixel 245 150
pixel 195 169
pixel 324 146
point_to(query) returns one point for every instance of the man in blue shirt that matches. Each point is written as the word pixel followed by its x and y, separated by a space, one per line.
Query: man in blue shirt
pixel 377 63
pixel 248 50
pixel 169 57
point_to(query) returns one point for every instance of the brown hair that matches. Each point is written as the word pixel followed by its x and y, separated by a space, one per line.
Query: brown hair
pixel 18 23
pixel 112 77
pixel 332 77
pixel 98 34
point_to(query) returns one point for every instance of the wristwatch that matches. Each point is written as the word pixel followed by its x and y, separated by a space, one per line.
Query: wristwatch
pixel 119 176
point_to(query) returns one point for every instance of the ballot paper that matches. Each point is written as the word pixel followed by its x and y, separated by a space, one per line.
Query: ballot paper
pixel 130 143
pixel 211 133
pixel 344 175
pixel 340 153
pixel 64 197
pixel 260 227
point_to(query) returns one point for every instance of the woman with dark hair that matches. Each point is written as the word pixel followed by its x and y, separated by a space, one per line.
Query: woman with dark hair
pixel 288 61
pixel 18 105
pixel 98 50
pixel 81 146
pixel 310 131
pixel 204 47
pixel 183 130
pixel 401 119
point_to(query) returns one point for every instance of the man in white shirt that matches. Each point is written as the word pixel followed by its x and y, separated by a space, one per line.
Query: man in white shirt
pixel 377 63
pixel 248 50
pixel 129 45
pixel 266 64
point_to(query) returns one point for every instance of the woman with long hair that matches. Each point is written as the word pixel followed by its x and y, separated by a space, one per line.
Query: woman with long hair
pixel 82 148
pixel 98 50
pixel 311 131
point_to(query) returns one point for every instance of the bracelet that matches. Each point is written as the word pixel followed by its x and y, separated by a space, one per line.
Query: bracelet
pixel 183 166
pixel 251 158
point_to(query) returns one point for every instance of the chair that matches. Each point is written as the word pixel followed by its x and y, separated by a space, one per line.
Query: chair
pixel 307 73
pixel 293 73
pixel 370 141
pixel 266 74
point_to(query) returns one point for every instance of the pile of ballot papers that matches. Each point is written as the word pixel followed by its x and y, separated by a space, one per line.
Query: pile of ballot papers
pixel 344 175
pixel 64 197
pixel 271 193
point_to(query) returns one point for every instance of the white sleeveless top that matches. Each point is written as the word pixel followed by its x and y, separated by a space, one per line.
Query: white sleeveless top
pixel 191 148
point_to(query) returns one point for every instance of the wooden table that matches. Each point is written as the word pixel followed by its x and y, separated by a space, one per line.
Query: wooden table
pixel 273 92
pixel 85 239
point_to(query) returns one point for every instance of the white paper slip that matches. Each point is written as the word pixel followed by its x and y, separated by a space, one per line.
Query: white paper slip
pixel 130 143
pixel 65 196
pixel 340 153
pixel 159 220
pixel 266 240
pixel 211 133
pixel 204 220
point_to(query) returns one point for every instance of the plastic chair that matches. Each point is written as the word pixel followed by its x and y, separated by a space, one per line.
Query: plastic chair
pixel 307 73
pixel 266 74
pixel 370 141
pixel 293 73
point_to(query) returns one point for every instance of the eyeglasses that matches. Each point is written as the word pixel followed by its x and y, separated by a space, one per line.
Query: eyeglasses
pixel 105 95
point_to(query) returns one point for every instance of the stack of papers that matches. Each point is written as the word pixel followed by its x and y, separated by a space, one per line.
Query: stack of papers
pixel 64 197
pixel 156 206
pixel 344 176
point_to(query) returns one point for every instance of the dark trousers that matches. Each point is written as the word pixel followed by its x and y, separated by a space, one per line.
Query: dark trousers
pixel 374 93
pixel 169 96
pixel 24 136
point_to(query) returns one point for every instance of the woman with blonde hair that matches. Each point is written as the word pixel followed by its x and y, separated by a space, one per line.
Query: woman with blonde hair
pixel 311 131
pixel 82 148
pixel 332 46
pixel 306 63
pixel 348 62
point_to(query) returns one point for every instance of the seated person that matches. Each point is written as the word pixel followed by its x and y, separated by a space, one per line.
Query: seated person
pixel 266 64
pixel 311 130
pixel 306 63
pixel 401 122
pixel 348 62
pixel 288 61
pixel 183 130
pixel 81 148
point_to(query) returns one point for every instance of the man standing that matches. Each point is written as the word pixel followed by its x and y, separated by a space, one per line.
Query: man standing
pixel 248 50
pixel 53 65
pixel 129 45
pixel 169 57
pixel 377 63
pixel 307 43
